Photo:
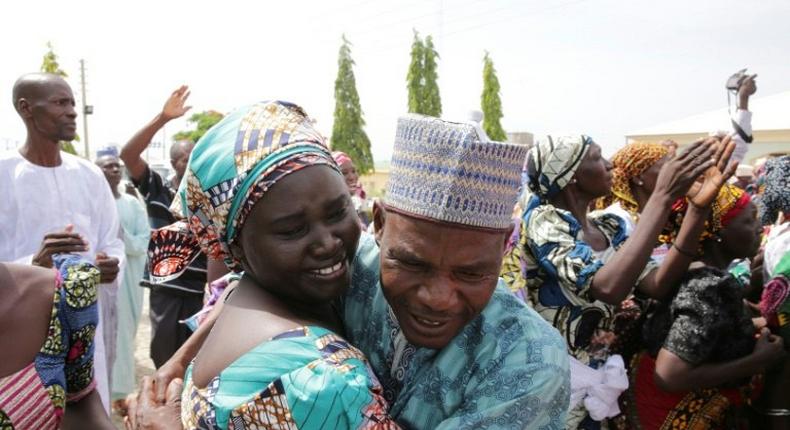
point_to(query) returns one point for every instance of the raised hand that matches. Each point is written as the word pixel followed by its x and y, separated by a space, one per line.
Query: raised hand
pixel 174 106
pixel 704 191
pixel 748 86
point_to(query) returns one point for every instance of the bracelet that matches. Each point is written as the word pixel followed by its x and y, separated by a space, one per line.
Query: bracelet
pixel 683 252
pixel 775 412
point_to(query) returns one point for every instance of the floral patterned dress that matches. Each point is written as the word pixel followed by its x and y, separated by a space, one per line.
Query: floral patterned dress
pixel 549 266
pixel 62 372
pixel 306 378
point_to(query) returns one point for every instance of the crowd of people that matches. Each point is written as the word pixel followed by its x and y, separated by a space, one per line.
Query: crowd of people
pixel 495 285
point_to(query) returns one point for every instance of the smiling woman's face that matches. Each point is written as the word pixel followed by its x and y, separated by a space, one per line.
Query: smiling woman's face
pixel 299 239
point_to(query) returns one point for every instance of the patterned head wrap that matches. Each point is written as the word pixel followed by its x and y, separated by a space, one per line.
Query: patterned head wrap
pixel 628 163
pixel 555 160
pixel 730 201
pixel 776 196
pixel 549 167
pixel 341 157
pixel 230 169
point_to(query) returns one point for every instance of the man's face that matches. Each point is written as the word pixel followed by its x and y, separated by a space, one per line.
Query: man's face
pixel 53 112
pixel 437 278
pixel 111 167
pixel 180 158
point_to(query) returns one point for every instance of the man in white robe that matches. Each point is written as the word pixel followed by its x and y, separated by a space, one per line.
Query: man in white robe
pixel 53 202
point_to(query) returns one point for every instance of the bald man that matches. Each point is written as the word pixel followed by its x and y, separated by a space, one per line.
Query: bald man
pixel 178 299
pixel 54 202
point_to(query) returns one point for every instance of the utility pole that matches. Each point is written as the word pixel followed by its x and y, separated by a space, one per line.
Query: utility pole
pixel 86 110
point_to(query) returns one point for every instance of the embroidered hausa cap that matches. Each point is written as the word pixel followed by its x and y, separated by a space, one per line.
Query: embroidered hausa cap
pixel 445 171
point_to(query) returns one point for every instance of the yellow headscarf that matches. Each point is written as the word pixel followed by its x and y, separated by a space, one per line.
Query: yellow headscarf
pixel 629 162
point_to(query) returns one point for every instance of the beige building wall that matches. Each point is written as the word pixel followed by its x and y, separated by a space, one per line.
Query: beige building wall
pixel 375 184
pixel 766 142
pixel 521 137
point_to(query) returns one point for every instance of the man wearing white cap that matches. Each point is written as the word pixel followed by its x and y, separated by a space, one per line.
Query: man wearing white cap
pixel 452 347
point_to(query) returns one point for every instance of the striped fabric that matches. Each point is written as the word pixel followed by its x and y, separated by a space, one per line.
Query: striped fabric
pixel 62 371
pixel 25 402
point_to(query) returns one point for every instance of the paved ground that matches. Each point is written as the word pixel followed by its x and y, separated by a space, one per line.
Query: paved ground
pixel 144 365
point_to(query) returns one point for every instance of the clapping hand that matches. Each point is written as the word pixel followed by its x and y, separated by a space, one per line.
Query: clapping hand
pixel 704 191
pixel 679 173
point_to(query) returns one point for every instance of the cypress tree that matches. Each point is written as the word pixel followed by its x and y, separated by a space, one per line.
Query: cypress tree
pixel 348 130
pixel 490 103
pixel 421 79
pixel 432 102
pixel 414 78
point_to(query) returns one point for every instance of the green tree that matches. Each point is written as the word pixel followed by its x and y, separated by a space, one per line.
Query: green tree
pixel 414 75
pixel 490 102
pixel 50 65
pixel 421 79
pixel 432 102
pixel 202 121
pixel 348 130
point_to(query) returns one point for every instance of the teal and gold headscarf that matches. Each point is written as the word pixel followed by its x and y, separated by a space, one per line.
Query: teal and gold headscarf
pixel 231 167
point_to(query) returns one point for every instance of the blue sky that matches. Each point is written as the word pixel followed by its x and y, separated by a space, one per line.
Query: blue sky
pixel 601 67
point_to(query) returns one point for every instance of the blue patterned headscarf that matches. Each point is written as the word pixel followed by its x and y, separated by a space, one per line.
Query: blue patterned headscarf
pixel 551 164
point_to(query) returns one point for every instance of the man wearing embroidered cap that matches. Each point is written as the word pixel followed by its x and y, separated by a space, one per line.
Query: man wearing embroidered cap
pixel 452 347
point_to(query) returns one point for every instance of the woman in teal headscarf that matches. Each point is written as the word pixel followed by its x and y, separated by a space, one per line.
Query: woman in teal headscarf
pixel 262 193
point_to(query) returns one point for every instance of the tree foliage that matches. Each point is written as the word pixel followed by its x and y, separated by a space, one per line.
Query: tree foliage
pixel 50 62
pixel 202 122
pixel 490 103
pixel 414 75
pixel 422 77
pixel 431 99
pixel 67 146
pixel 348 130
